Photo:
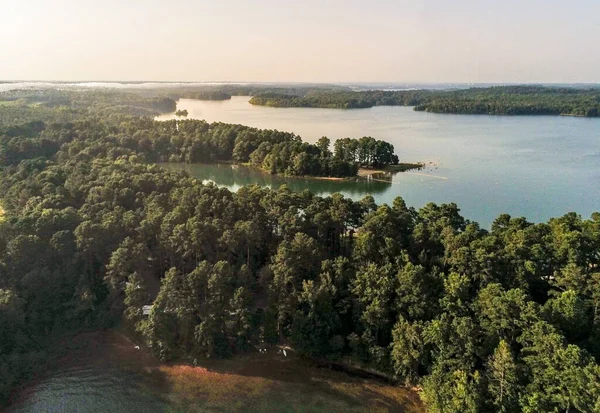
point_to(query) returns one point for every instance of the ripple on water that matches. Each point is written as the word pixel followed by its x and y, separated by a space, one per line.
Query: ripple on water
pixel 90 390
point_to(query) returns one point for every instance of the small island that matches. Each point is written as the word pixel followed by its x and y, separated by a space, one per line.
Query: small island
pixel 182 113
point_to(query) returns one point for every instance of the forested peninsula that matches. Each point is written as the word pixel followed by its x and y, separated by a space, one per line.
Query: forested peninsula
pixel 499 320
pixel 195 141
pixel 497 100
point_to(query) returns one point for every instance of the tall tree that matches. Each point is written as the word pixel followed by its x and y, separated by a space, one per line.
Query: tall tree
pixel 502 377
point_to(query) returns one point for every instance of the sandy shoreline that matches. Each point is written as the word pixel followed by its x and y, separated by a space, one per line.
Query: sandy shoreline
pixel 390 169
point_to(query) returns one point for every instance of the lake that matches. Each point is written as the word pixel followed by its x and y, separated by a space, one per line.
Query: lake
pixel 533 166
pixel 101 372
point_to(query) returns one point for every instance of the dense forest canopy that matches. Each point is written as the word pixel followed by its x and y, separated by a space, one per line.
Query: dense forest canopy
pixel 505 320
pixel 20 106
pixel 497 100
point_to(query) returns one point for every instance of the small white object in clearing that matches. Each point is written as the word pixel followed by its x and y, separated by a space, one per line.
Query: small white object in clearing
pixel 284 353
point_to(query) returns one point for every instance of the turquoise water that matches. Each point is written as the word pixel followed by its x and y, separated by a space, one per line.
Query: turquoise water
pixel 533 166
pixel 235 176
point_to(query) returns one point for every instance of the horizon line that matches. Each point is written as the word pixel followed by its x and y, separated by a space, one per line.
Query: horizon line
pixel 299 82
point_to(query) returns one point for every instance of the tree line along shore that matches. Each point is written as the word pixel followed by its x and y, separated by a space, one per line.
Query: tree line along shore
pixel 578 101
pixel 497 100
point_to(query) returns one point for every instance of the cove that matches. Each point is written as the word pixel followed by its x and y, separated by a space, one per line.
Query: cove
pixel 533 166
pixel 233 177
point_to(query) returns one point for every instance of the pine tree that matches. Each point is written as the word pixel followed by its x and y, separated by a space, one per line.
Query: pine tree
pixel 502 378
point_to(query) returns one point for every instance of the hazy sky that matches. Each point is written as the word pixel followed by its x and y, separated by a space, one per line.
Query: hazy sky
pixel 301 40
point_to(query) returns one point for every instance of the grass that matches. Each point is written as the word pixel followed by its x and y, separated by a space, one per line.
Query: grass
pixel 257 384
pixel 251 383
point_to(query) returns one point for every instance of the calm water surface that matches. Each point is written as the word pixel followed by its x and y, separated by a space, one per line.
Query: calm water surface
pixel 533 166
pixel 102 373
pixel 236 176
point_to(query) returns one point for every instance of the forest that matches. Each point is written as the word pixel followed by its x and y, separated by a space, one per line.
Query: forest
pixel 498 320
pixel 497 100
pixel 341 99
pixel 195 141
pixel 207 95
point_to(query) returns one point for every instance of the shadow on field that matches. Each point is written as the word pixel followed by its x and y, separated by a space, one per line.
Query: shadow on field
pixel 255 382
pixel 288 384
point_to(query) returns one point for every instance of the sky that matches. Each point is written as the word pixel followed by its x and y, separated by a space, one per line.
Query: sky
pixel 467 41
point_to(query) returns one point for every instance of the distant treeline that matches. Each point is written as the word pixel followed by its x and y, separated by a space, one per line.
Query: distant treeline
pixel 497 100
pixel 516 100
pixel 342 100
pixel 208 95
pixel 257 89
pixel 21 106
pixel 226 91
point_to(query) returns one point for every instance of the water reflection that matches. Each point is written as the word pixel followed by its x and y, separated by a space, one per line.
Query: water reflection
pixel 533 166
pixel 235 176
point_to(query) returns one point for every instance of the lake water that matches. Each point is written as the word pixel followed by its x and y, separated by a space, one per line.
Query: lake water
pixel 235 176
pixel 533 166
pixel 102 373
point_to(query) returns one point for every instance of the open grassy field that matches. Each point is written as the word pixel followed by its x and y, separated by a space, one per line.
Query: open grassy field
pixel 272 384
pixel 268 382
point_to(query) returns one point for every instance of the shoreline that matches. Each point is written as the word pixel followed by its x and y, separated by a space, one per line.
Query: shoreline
pixel 246 382
pixel 390 169
pixel 363 173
